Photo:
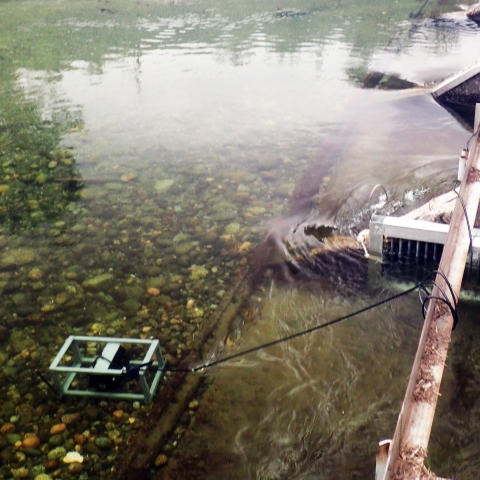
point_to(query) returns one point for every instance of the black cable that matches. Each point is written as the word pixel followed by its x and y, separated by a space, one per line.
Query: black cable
pixel 421 286
pixel 371 194
pixel 449 285
pixel 419 13
pixel 471 138
pixel 467 220
pixel 47 383
pixel 133 371
pixel 446 302
pixel 429 294
pixel 298 334
pixel 173 369
pixel 445 299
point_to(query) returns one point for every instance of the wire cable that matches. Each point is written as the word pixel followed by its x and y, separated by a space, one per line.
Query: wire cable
pixel 422 286
pixel 467 220
pixel 296 335
pixel 444 298
pixel 471 138
pixel 47 383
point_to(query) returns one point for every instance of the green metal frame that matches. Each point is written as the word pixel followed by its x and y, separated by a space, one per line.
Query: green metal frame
pixel 85 365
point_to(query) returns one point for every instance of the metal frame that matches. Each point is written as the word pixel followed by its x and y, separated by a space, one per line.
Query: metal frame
pixel 63 385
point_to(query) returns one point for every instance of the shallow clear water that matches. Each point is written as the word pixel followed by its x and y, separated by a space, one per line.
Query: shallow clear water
pixel 188 130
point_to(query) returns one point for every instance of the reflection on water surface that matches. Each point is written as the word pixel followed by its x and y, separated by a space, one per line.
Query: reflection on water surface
pixel 190 132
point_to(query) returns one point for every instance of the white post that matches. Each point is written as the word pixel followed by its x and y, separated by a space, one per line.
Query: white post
pixel 382 457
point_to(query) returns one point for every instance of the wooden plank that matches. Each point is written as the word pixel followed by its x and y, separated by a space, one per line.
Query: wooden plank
pixel 410 442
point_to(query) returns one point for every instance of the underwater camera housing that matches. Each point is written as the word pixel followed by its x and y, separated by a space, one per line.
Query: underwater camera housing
pixel 113 356
pixel 106 375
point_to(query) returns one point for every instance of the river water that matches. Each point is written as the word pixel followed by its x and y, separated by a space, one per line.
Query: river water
pixel 147 149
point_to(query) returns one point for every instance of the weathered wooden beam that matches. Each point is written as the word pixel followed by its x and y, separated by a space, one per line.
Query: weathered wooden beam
pixel 410 442
pixel 382 459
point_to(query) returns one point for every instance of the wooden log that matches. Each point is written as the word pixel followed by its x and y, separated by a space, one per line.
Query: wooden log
pixel 409 445
pixel 438 209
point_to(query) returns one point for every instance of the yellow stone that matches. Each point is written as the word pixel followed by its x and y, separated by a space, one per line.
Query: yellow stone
pixel 50 307
pixel 245 247
pixel 31 441
pixel 127 177
pixel 7 428
pixel 58 428
pixel 161 460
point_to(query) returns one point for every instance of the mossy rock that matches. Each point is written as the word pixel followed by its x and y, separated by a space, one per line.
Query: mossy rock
pixel 131 307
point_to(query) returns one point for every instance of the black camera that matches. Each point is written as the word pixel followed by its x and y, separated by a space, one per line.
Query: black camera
pixel 119 360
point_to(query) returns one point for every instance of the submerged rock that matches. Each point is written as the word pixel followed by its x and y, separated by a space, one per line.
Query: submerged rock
pixel 31 441
pixel 184 248
pixel 4 333
pixel 72 457
pixel 198 272
pixel 113 186
pixel 58 428
pixel 161 460
pixel 19 299
pixel 21 472
pixel 20 341
pixel 269 163
pixel 232 228
pixel 104 443
pixel 386 82
pixel 381 80
pixel 289 12
pixel 17 258
pixel 35 274
pixel 128 177
pixel 98 282
pixel 162 185
pixel 131 307
pixel 223 216
pixel 57 453
pixel 156 282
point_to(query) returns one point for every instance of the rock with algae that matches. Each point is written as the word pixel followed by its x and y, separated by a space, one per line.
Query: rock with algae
pixel 17 257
